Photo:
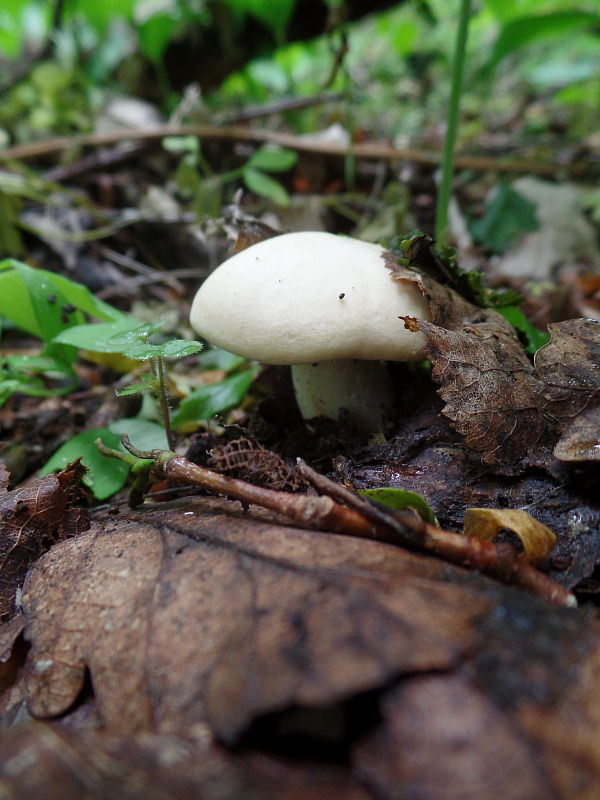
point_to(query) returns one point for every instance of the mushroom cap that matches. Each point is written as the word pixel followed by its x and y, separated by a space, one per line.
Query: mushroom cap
pixel 305 297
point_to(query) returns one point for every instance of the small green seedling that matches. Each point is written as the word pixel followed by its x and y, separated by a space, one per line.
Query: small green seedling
pixel 197 183
pixel 130 339
pixel 54 309
pixel 44 304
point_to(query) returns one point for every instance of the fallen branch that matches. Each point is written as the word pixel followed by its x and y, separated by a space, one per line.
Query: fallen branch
pixel 358 516
pixel 322 513
pixel 369 151
pixel 338 510
pixel 497 560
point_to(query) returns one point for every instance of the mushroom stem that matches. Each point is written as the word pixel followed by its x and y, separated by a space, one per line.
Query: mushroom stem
pixel 362 388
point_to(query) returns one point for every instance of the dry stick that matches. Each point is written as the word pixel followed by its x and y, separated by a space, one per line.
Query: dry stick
pixel 158 276
pixel 498 560
pixel 312 145
pixel 285 104
pixel 312 512
pixel 116 155
pixel 364 520
pixel 94 161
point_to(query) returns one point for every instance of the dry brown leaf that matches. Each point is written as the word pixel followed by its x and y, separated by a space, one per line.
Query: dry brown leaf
pixel 31 520
pixel 213 617
pixel 447 739
pixel 521 721
pixel 486 380
pixel 490 393
pixel 52 763
pixel 426 457
pixel 486 523
pixel 569 368
pixel 12 659
pixel 206 619
pixel 4 476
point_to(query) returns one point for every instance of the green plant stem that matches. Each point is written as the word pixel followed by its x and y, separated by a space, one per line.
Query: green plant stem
pixel 163 398
pixel 445 190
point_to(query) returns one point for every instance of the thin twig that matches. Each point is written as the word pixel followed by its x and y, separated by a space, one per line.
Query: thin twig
pixel 375 151
pixel 124 152
pixel 360 517
pixel 94 161
pixel 497 560
pixel 322 513
pixel 285 104
pixel 160 276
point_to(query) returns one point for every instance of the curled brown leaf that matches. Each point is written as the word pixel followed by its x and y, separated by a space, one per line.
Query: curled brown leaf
pixel 31 520
pixel 486 523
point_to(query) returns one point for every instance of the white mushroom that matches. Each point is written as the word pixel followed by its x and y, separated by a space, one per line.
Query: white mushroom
pixel 325 304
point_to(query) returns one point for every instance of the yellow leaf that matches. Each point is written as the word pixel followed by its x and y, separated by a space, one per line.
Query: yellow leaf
pixel 485 523
pixel 116 361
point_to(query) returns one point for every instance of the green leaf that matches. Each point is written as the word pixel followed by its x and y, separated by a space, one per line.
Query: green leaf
pixel 15 303
pixel 215 358
pixel 263 185
pixel 275 14
pixel 7 389
pixel 131 389
pixel 108 337
pixel 155 33
pixel 401 500
pixel 101 13
pixel 105 475
pixel 175 348
pixel 178 348
pixel 143 434
pixel 207 401
pixel 35 376
pixel 22 23
pixel 273 159
pixel 181 144
pixel 523 30
pixel 142 352
pixel 534 337
pixel 506 216
pixel 35 300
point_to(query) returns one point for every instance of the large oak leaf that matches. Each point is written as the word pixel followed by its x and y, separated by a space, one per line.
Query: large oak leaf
pixel 521 722
pixel 204 618
pixel 213 617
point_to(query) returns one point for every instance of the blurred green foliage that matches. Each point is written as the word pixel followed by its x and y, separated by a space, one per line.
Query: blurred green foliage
pixel 396 71
pixel 203 189
pixel 506 214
